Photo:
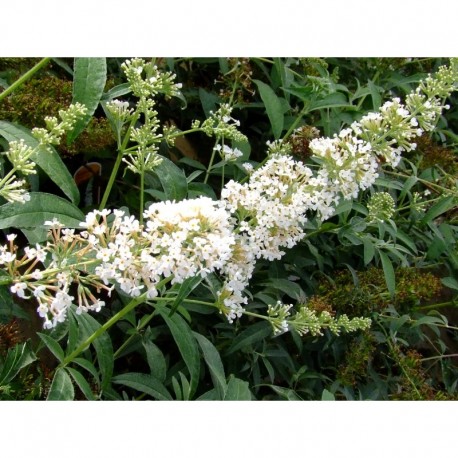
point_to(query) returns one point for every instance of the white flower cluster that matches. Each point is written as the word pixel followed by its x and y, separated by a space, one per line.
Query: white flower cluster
pixel 270 206
pixel 180 240
pixel 227 153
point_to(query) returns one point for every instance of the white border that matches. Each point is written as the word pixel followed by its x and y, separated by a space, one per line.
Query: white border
pixel 182 28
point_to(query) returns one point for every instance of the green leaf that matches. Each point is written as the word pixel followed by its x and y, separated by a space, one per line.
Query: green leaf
pixel 334 100
pixel 102 345
pixel 185 289
pixel 214 363
pixel 438 208
pixel 389 273
pixel 327 396
pixel 85 364
pixel 428 321
pixel 89 78
pixel 61 387
pixel 209 101
pixel 35 235
pixel 155 359
pixel 411 181
pixel 144 383
pixel 273 106
pixel 186 343
pixel 369 250
pixel 117 91
pixel 46 158
pixel 293 290
pixel 237 390
pixel 196 190
pixel 250 336
pixel 185 387
pixel 211 395
pixel 52 345
pixel 450 282
pixel 375 94
pixel 286 393
pixel 408 242
pixel 172 179
pixel 40 208
pixel 8 308
pixel 18 357
pixel 82 383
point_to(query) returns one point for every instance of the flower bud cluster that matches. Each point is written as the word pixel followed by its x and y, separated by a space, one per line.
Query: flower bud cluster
pixel 306 321
pixel 146 80
pixel 20 155
pixel 221 125
pixel 381 207
pixel 55 129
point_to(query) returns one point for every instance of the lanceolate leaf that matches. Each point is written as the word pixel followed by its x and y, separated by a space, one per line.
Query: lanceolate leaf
pixel 40 208
pixel 61 387
pixel 389 272
pixel 90 76
pixel 438 208
pixel 273 106
pixel 249 336
pixel 214 363
pixel 82 383
pixel 172 179
pixel 46 158
pixel 186 343
pixel 144 383
pixel 17 357
pixel 237 390
pixel 103 346
pixel 52 345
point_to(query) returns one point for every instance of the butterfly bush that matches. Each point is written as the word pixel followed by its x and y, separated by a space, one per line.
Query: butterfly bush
pixel 256 219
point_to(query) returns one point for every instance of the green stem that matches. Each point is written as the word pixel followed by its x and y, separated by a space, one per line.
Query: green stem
pixel 434 306
pixel 150 317
pixel 24 77
pixel 445 326
pixel 117 163
pixel 394 355
pixel 453 355
pixel 127 342
pixel 111 181
pixel 113 320
pixel 298 119
pixel 207 174
pixel 184 132
pixel 420 180
pixel 142 195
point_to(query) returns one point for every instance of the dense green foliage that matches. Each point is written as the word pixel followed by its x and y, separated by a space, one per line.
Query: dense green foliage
pixel 389 254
